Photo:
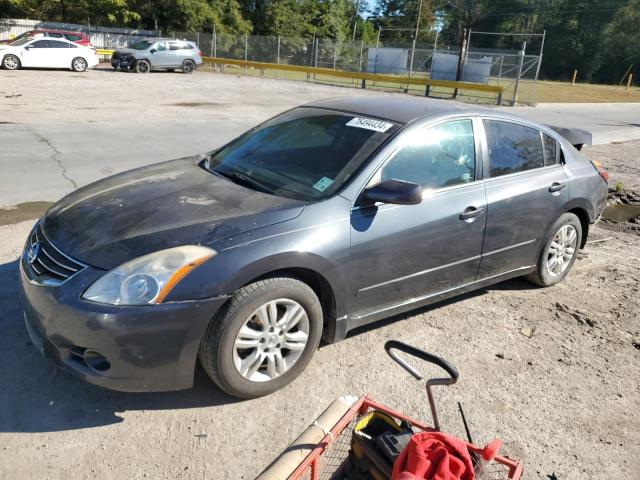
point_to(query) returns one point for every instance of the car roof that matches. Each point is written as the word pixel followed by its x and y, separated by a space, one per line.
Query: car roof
pixel 397 108
pixel 165 39
pixel 56 39
pixel 52 30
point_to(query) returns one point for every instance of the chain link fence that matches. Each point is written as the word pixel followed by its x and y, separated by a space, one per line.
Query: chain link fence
pixel 515 70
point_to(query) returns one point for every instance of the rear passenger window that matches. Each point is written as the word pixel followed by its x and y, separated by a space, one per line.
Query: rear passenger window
pixel 551 152
pixel 512 147
pixel 57 44
pixel 438 157
pixel 73 38
pixel 173 46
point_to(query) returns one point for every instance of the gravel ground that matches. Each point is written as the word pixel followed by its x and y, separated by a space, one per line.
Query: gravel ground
pixel 554 373
pixel 622 159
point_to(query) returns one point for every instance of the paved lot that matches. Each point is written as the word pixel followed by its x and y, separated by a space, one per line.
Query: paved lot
pixel 64 130
pixel 565 400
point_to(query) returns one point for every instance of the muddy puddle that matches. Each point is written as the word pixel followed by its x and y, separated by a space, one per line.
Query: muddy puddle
pixel 622 212
pixel 22 211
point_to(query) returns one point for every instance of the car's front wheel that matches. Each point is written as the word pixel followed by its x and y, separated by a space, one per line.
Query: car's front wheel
pixel 11 62
pixel 143 66
pixel 263 338
pixel 559 252
pixel 79 64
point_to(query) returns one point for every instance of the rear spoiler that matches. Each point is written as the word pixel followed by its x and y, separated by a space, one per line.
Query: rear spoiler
pixel 576 136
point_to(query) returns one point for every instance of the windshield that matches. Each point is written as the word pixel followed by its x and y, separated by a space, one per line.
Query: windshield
pixel 22 41
pixel 306 153
pixel 142 45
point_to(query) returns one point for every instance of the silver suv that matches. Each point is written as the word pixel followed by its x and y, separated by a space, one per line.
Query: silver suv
pixel 158 54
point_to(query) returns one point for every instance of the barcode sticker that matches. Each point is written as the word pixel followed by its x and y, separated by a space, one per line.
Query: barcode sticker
pixel 369 124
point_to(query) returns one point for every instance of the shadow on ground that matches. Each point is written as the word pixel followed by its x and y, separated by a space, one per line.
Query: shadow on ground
pixel 38 396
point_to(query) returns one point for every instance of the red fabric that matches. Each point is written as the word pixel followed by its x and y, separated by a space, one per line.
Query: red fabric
pixel 433 456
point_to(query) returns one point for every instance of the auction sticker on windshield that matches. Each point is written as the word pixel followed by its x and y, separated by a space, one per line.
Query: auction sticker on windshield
pixel 369 124
pixel 322 184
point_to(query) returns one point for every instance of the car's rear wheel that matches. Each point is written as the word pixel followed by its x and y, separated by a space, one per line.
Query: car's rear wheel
pixel 559 252
pixel 11 62
pixel 79 64
pixel 143 66
pixel 263 337
pixel 188 66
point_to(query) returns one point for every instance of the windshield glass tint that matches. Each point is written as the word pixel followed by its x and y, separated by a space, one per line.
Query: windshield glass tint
pixel 143 45
pixel 306 153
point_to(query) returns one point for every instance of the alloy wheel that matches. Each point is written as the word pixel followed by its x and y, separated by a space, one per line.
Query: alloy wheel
pixel 562 250
pixel 143 66
pixel 10 62
pixel 271 340
pixel 188 66
pixel 79 65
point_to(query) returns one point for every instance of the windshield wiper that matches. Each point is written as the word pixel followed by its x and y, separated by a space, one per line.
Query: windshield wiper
pixel 242 179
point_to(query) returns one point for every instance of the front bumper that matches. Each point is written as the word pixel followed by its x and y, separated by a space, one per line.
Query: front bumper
pixel 122 63
pixel 148 348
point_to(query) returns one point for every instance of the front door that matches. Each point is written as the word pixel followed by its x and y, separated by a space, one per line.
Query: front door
pixel 160 56
pixel 526 190
pixel 404 253
pixel 36 54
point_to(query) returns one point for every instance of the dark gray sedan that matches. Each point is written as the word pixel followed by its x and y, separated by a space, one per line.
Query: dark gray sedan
pixel 323 219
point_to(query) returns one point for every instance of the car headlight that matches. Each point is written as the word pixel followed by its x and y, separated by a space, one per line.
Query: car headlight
pixel 147 279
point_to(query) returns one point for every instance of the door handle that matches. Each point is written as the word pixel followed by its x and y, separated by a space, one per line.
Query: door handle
pixel 471 213
pixel 557 186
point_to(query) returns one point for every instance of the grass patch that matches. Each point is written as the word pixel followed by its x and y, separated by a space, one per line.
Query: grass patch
pixel 528 91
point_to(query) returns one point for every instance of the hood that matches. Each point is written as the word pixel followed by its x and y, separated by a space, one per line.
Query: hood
pixel 128 51
pixel 156 207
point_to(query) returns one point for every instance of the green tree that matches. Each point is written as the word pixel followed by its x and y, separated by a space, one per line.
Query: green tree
pixel 398 18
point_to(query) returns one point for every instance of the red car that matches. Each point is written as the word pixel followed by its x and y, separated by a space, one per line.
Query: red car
pixel 76 37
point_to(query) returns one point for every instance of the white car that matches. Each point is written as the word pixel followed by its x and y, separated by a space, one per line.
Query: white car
pixel 42 52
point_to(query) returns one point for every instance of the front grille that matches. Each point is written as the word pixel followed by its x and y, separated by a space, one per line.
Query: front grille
pixel 46 263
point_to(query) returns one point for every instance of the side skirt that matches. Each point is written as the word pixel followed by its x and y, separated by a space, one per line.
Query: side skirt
pixel 344 324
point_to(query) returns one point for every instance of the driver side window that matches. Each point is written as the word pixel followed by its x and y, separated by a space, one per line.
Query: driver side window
pixel 161 46
pixel 437 157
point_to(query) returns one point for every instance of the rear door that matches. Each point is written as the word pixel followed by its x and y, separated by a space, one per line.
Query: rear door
pixel 175 53
pixel 60 54
pixel 526 187
pixel 403 253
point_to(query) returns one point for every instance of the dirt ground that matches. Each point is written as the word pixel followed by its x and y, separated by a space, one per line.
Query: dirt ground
pixel 554 373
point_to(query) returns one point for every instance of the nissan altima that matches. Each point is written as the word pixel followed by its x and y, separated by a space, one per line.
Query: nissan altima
pixel 325 218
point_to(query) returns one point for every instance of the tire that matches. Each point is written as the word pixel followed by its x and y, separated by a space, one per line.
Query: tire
pixel 559 252
pixel 143 66
pixel 79 64
pixel 188 66
pixel 11 62
pixel 225 352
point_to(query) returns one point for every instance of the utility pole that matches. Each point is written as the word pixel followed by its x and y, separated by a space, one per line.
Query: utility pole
pixel 463 46
pixel 355 22
pixel 415 37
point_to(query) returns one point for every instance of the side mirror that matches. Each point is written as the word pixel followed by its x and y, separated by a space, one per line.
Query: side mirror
pixel 153 50
pixel 28 47
pixel 394 191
